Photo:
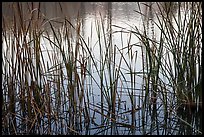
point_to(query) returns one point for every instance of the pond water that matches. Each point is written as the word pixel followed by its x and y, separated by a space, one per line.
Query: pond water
pixel 115 72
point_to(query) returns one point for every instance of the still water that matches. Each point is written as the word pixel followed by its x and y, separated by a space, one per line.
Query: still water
pixel 99 20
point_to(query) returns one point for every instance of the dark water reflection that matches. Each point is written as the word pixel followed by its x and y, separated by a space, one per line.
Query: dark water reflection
pixel 157 120
pixel 121 11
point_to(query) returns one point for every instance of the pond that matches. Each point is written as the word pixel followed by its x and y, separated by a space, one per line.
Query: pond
pixel 102 68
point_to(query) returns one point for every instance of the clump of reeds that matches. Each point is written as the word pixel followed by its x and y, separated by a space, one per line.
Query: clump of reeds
pixel 49 89
pixel 173 60
pixel 36 88
pixel 182 36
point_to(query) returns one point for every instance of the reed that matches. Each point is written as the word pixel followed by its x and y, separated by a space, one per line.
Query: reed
pixel 52 74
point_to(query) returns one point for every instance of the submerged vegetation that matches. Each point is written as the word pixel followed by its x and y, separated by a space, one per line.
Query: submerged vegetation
pixel 54 82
